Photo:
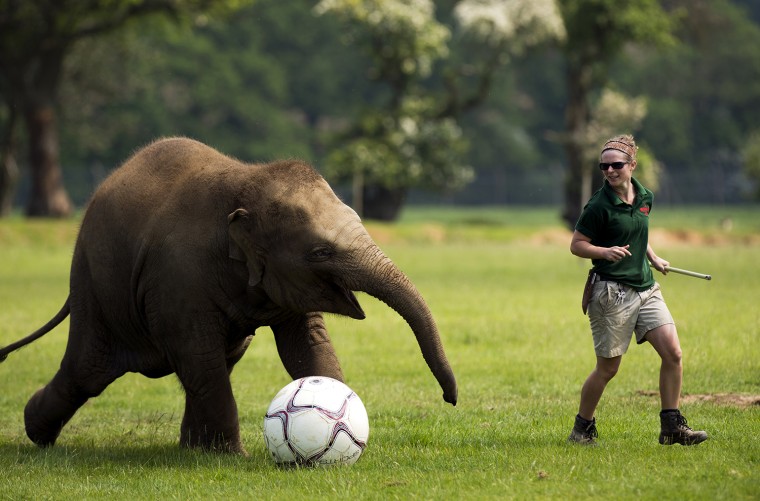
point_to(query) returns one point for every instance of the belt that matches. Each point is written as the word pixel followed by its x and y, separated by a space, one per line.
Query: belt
pixel 602 278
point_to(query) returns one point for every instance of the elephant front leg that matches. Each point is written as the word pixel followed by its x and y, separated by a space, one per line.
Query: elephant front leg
pixel 305 347
pixel 211 417
pixel 211 421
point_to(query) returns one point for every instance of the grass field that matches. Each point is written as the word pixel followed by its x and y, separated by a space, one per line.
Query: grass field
pixel 506 294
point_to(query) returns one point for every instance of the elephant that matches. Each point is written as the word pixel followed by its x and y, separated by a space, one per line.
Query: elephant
pixel 182 253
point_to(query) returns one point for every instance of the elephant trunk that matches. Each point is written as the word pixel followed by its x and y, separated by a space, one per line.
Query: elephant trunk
pixel 391 286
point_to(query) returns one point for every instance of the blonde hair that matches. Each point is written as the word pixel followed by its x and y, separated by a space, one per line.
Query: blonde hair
pixel 624 143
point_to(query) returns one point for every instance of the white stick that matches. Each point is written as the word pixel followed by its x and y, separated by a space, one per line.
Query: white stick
pixel 687 272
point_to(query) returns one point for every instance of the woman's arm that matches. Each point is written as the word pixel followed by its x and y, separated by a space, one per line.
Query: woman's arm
pixel 581 246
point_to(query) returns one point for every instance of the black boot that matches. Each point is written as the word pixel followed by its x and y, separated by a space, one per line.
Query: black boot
pixel 584 431
pixel 675 431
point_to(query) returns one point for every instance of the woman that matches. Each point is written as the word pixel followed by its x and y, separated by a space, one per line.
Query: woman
pixel 613 232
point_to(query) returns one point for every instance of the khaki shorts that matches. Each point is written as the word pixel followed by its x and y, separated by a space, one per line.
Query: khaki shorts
pixel 616 311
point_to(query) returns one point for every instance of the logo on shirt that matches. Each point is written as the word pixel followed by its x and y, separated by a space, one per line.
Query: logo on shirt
pixel 645 210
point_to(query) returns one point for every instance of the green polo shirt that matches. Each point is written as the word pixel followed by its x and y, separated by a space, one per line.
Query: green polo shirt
pixel 608 221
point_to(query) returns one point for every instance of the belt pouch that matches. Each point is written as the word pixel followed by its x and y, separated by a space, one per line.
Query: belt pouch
pixel 587 290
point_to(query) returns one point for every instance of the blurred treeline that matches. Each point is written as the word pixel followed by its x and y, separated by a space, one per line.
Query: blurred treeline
pixel 275 80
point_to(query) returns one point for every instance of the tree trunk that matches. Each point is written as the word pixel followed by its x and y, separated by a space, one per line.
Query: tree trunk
pixel 381 203
pixel 577 114
pixel 38 97
pixel 8 169
pixel 8 181
pixel 48 197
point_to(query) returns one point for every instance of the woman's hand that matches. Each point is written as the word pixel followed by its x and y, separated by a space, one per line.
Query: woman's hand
pixel 615 253
pixel 659 264
pixel 581 246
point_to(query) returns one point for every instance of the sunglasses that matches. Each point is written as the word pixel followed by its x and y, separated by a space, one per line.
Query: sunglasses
pixel 614 165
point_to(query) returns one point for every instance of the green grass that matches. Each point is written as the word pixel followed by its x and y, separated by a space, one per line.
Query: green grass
pixel 506 294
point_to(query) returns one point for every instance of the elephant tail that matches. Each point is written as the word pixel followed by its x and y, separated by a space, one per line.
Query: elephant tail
pixel 52 323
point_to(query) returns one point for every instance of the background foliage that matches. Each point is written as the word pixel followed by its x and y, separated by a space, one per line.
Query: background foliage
pixel 277 80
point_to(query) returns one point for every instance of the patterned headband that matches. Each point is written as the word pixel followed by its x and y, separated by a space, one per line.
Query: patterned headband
pixel 620 146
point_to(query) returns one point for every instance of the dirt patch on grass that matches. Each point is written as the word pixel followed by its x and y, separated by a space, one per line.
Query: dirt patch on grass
pixel 734 399
pixel 661 237
pixel 553 236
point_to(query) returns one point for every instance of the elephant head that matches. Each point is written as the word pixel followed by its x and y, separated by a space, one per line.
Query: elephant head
pixel 308 252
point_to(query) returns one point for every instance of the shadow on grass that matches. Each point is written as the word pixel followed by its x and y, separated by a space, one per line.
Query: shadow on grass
pixel 94 456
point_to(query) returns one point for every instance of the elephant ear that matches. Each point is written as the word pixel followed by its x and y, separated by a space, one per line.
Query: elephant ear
pixel 242 247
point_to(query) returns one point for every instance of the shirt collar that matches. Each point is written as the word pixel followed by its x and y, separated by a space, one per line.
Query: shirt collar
pixel 615 199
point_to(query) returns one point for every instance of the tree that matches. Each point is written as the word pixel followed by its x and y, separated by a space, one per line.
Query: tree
pixel 597 31
pixel 413 137
pixel 257 94
pixel 382 150
pixel 35 38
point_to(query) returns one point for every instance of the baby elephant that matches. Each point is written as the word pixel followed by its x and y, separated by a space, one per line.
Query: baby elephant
pixel 182 254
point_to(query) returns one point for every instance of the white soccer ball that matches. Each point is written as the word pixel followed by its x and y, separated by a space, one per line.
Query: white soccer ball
pixel 316 421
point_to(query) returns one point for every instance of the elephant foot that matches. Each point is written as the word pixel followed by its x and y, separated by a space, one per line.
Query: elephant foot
pixel 45 415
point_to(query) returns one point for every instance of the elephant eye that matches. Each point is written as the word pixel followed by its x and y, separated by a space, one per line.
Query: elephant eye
pixel 320 253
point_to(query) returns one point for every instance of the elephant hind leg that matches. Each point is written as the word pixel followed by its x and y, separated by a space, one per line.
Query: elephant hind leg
pixel 46 413
pixel 51 407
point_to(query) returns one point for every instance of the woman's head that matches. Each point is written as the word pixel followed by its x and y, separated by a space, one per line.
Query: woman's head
pixel 618 160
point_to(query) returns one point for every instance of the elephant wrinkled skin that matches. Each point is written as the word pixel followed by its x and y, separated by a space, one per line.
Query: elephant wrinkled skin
pixel 182 254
